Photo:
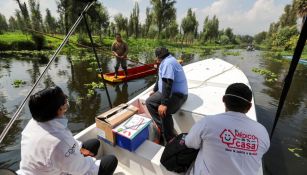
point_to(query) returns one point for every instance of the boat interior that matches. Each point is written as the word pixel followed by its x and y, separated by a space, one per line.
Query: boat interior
pixel 207 81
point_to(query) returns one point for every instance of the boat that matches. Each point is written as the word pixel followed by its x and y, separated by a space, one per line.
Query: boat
pixel 250 48
pixel 133 73
pixel 207 82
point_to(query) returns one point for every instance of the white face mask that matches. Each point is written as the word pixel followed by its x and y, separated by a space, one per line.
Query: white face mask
pixel 63 120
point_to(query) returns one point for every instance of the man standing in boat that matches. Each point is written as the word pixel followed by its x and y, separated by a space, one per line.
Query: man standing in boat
pixel 120 51
pixel 48 146
pixel 169 94
pixel 230 143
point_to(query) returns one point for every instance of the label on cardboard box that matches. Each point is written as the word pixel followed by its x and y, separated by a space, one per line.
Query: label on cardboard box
pixel 131 127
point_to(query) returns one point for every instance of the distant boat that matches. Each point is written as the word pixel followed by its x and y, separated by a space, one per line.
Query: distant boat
pixel 250 48
pixel 207 82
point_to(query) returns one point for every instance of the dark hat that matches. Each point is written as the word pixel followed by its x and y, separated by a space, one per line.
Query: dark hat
pixel 161 52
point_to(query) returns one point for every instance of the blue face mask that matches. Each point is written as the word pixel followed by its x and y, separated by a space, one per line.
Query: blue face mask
pixel 63 120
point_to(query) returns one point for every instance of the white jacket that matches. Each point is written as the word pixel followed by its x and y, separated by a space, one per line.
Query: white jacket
pixel 49 148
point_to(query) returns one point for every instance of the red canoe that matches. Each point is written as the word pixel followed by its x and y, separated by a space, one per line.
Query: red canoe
pixel 133 73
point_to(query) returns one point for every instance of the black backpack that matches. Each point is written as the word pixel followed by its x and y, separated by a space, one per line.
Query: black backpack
pixel 177 156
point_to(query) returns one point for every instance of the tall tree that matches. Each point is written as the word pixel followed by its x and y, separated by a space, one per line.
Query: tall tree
pixel 301 8
pixel 50 22
pixel 36 16
pixel 148 21
pixel 13 25
pixel 165 12
pixel 288 18
pixel 64 7
pixel 260 37
pixel 3 24
pixel 121 23
pixel 211 28
pixel 24 17
pixel 172 30
pixel 99 18
pixel 189 23
pixel 135 18
pixel 230 35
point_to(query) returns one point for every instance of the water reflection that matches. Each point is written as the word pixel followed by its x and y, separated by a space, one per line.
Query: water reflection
pixel 121 94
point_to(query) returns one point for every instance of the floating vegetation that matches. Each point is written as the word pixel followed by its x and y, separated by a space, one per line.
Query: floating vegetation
pixel 91 88
pixel 295 149
pixel 89 69
pixel 18 83
pixel 233 53
pixel 95 64
pixel 90 93
pixel 273 56
pixel 270 76
pixel 95 85
pixel 79 100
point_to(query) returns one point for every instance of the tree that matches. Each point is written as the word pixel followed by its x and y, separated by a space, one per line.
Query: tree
pixel 23 15
pixel 99 18
pixel 36 16
pixel 3 24
pixel 121 23
pixel 260 37
pixel 130 26
pixel 148 21
pixel 13 25
pixel 64 7
pixel 189 24
pixel 230 35
pixel 301 8
pixel 288 18
pixel 135 19
pixel 283 35
pixel 164 13
pixel 211 29
pixel 50 22
pixel 172 30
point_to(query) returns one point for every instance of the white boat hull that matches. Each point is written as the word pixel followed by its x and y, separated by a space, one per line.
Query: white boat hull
pixel 207 82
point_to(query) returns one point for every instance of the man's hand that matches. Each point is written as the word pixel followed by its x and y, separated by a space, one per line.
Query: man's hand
pixel 86 152
pixel 162 110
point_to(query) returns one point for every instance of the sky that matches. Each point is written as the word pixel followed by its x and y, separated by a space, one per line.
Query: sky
pixel 243 16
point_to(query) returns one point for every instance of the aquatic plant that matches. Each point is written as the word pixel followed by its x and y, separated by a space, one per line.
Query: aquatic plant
pixel 18 83
pixel 233 53
pixel 270 76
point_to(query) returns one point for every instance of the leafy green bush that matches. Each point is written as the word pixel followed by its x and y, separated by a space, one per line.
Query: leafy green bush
pixel 39 41
pixel 22 45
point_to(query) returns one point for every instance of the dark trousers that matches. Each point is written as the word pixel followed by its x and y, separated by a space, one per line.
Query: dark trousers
pixel 165 124
pixel 121 62
pixel 108 163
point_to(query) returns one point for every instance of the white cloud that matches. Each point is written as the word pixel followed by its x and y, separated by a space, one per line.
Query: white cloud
pixel 243 19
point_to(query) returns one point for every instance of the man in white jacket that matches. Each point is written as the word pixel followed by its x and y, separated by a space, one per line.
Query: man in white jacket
pixel 230 143
pixel 49 148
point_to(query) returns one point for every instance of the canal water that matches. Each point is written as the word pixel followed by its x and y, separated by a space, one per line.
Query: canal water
pixel 288 151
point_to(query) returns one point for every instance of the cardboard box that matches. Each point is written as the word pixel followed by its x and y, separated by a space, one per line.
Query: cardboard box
pixel 107 121
pixel 132 132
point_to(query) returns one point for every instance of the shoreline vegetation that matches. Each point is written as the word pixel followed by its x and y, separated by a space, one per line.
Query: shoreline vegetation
pixel 17 43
